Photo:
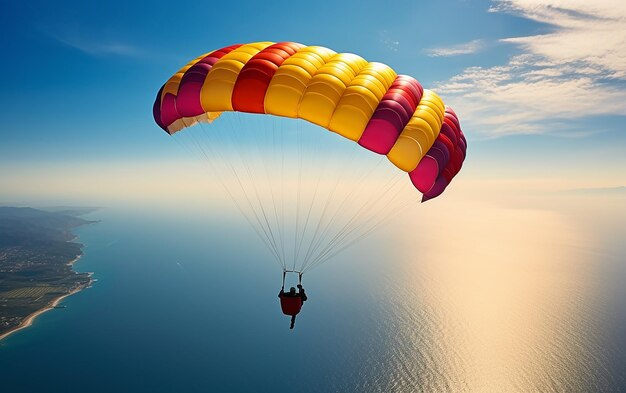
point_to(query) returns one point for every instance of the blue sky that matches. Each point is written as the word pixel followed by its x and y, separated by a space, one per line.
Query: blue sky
pixel 539 85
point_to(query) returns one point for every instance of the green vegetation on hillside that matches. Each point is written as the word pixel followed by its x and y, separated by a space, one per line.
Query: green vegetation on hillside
pixel 36 252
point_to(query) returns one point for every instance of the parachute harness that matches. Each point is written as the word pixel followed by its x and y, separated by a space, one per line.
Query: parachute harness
pixel 291 271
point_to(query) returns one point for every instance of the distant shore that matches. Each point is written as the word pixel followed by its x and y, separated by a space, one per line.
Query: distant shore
pixel 42 246
pixel 28 321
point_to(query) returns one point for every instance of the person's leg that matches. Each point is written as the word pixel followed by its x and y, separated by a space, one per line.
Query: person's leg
pixel 293 321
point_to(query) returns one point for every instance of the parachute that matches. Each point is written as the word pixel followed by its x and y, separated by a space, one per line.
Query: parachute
pixel 366 102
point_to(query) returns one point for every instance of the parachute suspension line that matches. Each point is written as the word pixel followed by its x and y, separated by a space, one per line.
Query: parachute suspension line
pixel 378 221
pixel 341 211
pixel 300 237
pixel 256 192
pixel 254 183
pixel 371 229
pixel 297 218
pixel 320 175
pixel 349 227
pixel 310 210
pixel 355 224
pixel 202 152
pixel 280 218
pixel 210 163
pixel 302 150
pixel 282 183
pixel 183 146
pixel 291 271
pixel 365 208
pixel 336 214
pixel 283 199
pixel 267 239
pixel 266 228
pixel 273 189
pixel 329 198
pixel 280 224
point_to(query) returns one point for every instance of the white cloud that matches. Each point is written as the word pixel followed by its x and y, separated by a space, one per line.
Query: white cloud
pixel 456 50
pixel 575 71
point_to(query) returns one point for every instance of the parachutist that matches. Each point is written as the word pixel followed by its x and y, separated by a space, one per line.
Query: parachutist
pixel 291 302
pixel 368 103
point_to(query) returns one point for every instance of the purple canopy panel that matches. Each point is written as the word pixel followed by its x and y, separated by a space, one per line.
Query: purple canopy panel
pixel 169 114
pixel 156 110
pixel 440 152
pixel 392 114
pixel 188 99
pixel 437 189
pixel 453 119
pixel 384 127
pixel 449 132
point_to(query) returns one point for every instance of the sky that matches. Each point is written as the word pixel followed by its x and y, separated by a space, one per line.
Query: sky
pixel 539 85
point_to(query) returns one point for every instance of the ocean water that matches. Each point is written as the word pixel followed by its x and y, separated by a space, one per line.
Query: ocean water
pixel 521 294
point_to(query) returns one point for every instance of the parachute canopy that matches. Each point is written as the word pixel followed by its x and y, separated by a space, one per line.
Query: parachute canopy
pixel 366 102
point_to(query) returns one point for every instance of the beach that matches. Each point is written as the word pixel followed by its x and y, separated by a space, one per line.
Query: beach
pixel 28 321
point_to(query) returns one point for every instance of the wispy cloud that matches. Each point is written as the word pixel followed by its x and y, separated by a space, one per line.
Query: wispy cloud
pixel 388 41
pixel 456 50
pixel 577 70
pixel 96 46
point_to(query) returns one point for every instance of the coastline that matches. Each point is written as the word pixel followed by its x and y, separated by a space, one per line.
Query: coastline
pixel 28 321
pixel 64 231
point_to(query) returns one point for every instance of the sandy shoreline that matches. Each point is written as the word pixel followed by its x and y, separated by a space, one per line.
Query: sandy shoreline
pixel 28 321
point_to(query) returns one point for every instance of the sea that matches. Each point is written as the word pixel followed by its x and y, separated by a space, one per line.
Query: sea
pixel 524 293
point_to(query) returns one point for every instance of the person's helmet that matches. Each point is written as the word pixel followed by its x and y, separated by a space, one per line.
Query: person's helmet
pixel 292 289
